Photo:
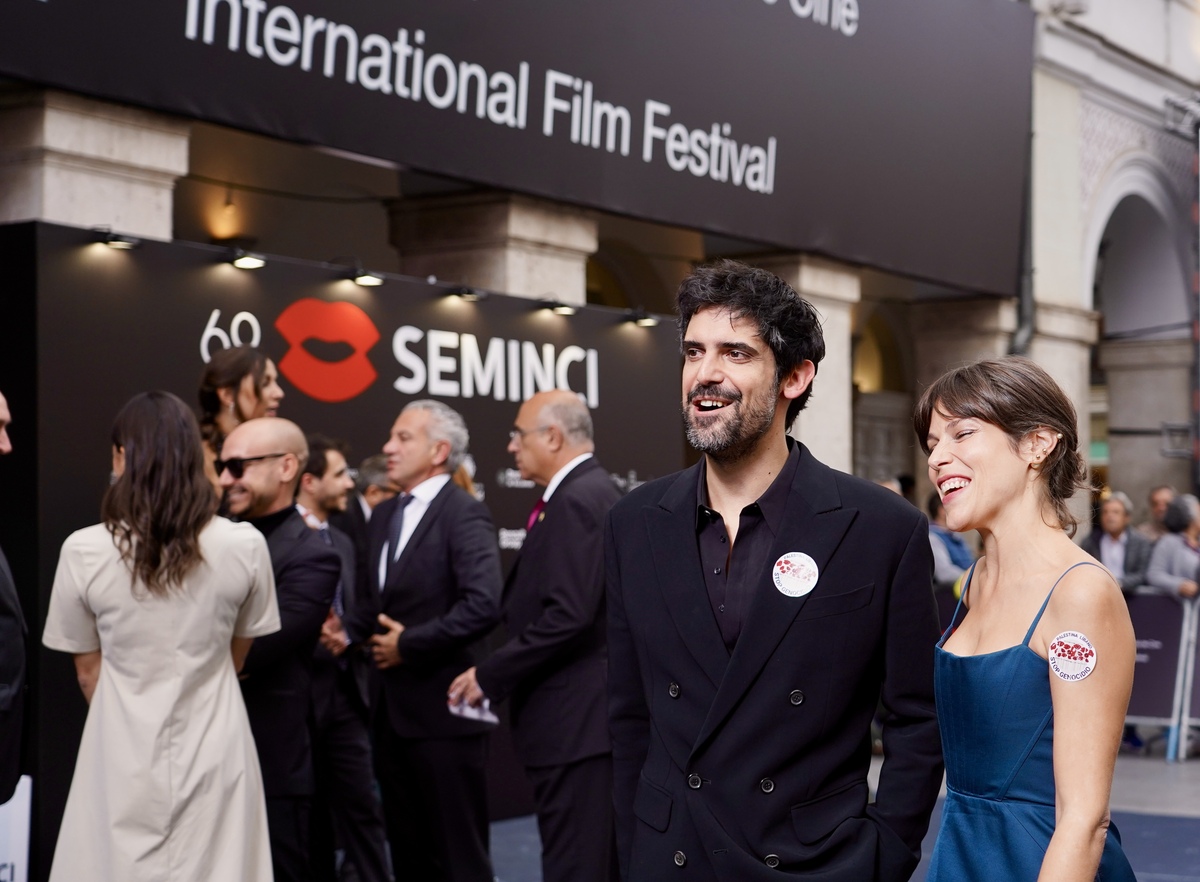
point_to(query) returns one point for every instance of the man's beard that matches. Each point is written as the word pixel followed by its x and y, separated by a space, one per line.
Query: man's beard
pixel 729 440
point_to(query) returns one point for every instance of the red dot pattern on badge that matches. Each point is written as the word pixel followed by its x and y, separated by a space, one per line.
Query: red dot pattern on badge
pixel 1076 652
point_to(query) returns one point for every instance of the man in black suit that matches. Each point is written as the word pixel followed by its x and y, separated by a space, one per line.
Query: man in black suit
pixel 12 656
pixel 259 467
pixel 346 809
pixel 434 572
pixel 554 666
pixel 761 605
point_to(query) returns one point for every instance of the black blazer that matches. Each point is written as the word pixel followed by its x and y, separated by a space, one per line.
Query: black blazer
pixel 12 681
pixel 445 590
pixel 1137 556
pixel 277 675
pixel 353 523
pixel 756 763
pixel 554 665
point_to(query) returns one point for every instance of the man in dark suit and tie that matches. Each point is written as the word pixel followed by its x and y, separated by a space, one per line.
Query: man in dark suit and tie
pixel 554 666
pixel 761 605
pixel 12 656
pixel 434 571
pixel 260 464
pixel 1125 551
pixel 346 809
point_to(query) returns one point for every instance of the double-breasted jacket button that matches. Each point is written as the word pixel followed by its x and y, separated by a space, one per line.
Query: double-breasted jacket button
pixel 673 690
pixel 772 861
pixel 796 698
pixel 680 858
pixel 694 781
pixel 767 785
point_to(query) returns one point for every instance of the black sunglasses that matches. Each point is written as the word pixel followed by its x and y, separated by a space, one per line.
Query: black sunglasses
pixel 237 464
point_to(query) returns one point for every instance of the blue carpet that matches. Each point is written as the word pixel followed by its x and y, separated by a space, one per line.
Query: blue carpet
pixel 1161 849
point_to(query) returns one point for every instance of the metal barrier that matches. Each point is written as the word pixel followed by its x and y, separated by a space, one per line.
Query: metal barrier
pixel 1164 680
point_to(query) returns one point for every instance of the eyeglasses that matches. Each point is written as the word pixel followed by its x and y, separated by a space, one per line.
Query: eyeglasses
pixel 521 433
pixel 237 464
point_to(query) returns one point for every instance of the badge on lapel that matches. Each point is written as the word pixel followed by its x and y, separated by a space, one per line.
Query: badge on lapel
pixel 795 574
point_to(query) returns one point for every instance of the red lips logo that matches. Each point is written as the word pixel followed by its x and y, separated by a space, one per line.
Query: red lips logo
pixel 341 322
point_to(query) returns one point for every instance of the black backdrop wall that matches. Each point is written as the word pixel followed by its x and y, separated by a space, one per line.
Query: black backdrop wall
pixel 85 327
pixel 892 133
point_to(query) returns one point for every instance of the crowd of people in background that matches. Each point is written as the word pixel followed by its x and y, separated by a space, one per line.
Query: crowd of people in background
pixel 282 654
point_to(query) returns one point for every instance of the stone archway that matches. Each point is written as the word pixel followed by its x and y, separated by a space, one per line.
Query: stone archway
pixel 1138 270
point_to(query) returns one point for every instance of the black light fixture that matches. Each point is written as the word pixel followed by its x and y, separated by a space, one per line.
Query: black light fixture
pixel 557 307
pixel 240 253
pixel 116 241
pixel 247 260
pixel 367 279
pixel 468 294
pixel 641 318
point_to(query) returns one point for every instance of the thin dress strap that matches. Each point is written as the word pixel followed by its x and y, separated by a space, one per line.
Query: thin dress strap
pixel 1046 602
pixel 954 618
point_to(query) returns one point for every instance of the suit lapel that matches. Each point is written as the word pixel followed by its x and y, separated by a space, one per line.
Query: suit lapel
pixel 814 524
pixel 672 530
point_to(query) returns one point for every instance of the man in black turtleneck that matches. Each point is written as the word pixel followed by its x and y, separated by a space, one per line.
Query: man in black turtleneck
pixel 260 465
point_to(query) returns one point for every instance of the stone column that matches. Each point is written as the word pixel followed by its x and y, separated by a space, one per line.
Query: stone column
pixel 1062 344
pixel 826 424
pixel 947 334
pixel 70 160
pixel 1149 383
pixel 503 242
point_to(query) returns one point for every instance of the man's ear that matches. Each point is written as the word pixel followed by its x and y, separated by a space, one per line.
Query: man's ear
pixel 797 380
pixel 441 452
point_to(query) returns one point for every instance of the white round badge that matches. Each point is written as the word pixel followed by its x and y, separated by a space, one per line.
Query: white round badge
pixel 1072 656
pixel 795 574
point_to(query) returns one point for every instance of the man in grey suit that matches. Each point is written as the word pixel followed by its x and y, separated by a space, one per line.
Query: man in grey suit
pixel 12 657
pixel 1125 551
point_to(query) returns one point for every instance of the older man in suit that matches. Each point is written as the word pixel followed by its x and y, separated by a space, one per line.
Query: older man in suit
pixel 434 572
pixel 260 464
pixel 554 665
pixel 12 656
pixel 1125 551
pixel 761 605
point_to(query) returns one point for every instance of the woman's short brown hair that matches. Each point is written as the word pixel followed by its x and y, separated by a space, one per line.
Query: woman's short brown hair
pixel 1018 397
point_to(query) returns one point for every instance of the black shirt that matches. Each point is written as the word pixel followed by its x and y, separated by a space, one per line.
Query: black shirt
pixel 268 524
pixel 732 572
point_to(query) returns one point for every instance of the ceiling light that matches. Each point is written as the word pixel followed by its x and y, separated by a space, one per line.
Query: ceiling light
pixel 117 242
pixel 558 307
pixel 367 279
pixel 247 260
pixel 470 295
pixel 643 319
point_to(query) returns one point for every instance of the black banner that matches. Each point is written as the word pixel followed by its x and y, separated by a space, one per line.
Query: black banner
pixel 88 327
pixel 1158 628
pixel 892 133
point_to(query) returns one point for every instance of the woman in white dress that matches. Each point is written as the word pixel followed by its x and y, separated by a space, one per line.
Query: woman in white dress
pixel 159 604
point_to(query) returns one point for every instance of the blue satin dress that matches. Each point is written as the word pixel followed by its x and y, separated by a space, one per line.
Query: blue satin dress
pixel 997 727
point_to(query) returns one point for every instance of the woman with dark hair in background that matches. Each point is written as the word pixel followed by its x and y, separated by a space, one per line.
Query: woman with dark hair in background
pixel 1030 725
pixel 159 604
pixel 1176 556
pixel 238 384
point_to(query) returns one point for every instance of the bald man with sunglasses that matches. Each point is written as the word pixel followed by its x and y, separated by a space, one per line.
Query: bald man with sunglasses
pixel 261 462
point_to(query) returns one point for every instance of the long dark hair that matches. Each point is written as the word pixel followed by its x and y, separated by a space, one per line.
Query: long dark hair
pixel 226 370
pixel 156 509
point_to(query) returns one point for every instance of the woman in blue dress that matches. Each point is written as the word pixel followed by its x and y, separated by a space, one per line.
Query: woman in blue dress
pixel 1034 673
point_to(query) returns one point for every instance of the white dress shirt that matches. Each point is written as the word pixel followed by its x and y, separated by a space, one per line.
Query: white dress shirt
pixel 422 495
pixel 1112 553
pixel 562 473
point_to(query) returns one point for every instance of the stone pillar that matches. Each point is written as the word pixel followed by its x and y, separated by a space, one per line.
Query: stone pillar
pixel 1062 344
pixel 950 333
pixel 1149 383
pixel 503 242
pixel 70 160
pixel 826 424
